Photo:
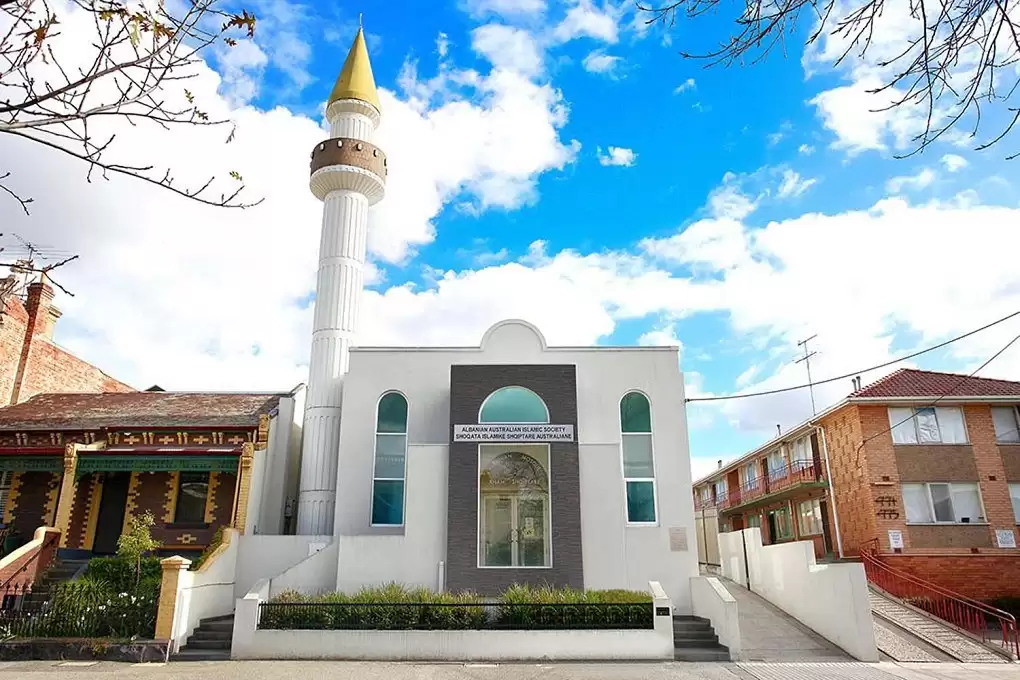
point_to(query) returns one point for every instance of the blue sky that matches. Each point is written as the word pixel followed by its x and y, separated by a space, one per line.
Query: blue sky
pixel 743 208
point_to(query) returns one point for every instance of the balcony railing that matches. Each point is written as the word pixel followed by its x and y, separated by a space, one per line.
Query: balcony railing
pixel 797 472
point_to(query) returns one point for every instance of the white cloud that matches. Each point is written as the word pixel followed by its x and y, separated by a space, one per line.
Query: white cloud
pixel 806 149
pixel 688 84
pixel 505 8
pixel 921 180
pixel 598 61
pixel 585 19
pixel 617 155
pixel 778 136
pixel 953 162
pixel 661 336
pixel 509 48
pixel 205 281
pixel 793 185
pixel 442 45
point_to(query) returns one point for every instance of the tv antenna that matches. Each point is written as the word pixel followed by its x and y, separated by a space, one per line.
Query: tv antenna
pixel 807 362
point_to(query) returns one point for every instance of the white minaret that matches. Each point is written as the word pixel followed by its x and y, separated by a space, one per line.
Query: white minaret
pixel 348 174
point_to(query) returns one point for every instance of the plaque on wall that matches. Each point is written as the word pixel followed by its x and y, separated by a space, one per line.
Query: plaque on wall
pixel 678 539
pixel 1005 538
pixel 525 432
pixel 895 539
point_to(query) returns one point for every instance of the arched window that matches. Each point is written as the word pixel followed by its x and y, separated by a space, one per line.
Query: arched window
pixel 390 460
pixel 514 528
pixel 638 459
pixel 513 405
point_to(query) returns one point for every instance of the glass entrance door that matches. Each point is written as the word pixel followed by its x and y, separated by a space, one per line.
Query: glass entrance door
pixel 514 531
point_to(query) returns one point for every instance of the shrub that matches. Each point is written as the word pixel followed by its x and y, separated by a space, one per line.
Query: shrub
pixel 92 607
pixel 214 543
pixel 396 607
pixel 120 573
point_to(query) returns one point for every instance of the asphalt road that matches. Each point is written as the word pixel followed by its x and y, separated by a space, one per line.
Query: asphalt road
pixel 328 670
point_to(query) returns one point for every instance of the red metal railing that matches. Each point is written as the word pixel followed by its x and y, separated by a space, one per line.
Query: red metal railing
pixel 776 480
pixel 977 618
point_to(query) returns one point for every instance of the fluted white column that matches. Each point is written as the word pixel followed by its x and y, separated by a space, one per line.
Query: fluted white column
pixel 337 301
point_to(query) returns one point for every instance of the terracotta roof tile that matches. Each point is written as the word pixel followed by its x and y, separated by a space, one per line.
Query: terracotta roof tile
pixel 909 382
pixel 137 409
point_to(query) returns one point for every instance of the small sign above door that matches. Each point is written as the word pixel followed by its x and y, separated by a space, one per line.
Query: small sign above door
pixel 528 432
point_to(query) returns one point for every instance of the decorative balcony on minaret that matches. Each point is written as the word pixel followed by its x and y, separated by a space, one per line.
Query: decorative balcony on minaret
pixel 348 174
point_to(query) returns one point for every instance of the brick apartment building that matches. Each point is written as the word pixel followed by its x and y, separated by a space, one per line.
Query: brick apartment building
pixel 935 484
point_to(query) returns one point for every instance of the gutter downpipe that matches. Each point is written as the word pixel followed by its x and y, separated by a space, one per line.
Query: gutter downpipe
pixel 832 495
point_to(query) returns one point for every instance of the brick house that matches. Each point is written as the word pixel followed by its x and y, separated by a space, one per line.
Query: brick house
pixel 84 464
pixel 935 485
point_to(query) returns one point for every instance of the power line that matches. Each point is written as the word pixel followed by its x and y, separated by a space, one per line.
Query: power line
pixel 955 387
pixel 855 373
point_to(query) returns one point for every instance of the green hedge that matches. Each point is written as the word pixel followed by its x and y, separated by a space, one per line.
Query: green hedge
pixel 395 607
pixel 119 573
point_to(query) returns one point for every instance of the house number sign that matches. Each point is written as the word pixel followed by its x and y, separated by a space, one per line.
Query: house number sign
pixel 489 432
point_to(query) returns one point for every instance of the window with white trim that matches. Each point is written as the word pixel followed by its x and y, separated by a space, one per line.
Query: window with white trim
pixel 638 458
pixel 809 517
pixel 720 489
pixel 1007 424
pixel 776 464
pixel 390 460
pixel 1014 495
pixel 928 425
pixel 801 457
pixel 937 503
pixel 749 477
pixel 706 495
pixel 5 489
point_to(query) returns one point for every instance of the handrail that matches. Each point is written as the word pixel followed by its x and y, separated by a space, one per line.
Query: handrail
pixel 47 542
pixel 963 612
pixel 775 480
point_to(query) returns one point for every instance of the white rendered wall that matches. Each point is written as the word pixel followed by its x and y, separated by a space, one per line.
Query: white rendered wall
pixel 710 600
pixel 830 599
pixel 614 554
pixel 263 557
pixel 207 592
pixel 276 480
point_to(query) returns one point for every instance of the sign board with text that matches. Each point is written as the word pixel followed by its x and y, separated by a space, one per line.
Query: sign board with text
pixel 1005 538
pixel 895 539
pixel 525 432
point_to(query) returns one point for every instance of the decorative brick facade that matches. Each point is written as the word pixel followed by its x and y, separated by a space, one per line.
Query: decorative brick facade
pixel 30 362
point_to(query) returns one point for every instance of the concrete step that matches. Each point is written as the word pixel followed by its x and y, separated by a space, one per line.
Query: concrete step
pixel 201 643
pixel 718 653
pixel 188 654
pixel 216 626
pixel 695 643
pixel 201 634
pixel 690 626
pixel 688 617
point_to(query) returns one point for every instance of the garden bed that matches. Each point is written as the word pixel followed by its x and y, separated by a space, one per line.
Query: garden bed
pixel 84 649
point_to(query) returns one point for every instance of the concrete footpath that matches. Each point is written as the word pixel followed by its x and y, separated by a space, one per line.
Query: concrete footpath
pixel 328 670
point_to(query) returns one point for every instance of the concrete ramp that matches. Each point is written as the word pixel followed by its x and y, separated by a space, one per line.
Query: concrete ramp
pixel 767 633
pixel 942 637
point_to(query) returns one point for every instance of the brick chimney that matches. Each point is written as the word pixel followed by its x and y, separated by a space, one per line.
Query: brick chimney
pixel 42 315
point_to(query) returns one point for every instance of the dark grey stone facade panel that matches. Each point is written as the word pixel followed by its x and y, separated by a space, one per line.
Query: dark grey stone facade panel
pixel 556 384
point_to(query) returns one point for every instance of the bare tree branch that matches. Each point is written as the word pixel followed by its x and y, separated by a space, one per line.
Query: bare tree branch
pixel 139 58
pixel 951 57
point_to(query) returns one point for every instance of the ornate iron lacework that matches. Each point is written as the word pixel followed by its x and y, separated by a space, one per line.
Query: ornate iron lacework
pixel 135 463
pixel 31 463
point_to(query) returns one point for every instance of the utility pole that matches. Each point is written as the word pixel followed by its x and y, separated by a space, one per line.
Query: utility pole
pixel 807 361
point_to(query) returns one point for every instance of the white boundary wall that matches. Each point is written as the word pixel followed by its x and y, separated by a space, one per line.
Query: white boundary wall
pixel 712 601
pixel 453 645
pixel 830 599
pixel 207 592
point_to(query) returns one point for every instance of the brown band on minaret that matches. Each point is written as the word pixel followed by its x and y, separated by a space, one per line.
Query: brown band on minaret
pixel 346 151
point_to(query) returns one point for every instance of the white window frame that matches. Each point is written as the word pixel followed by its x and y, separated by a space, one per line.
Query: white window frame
pixel 1014 497
pixel 6 482
pixel 749 477
pixel 814 503
pixel 982 519
pixel 721 488
pixel 623 467
pixel 801 463
pixel 375 453
pixel 917 433
pixel 1016 424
